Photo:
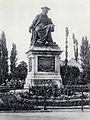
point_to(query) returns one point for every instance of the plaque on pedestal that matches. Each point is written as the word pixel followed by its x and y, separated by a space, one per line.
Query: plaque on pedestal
pixel 46 64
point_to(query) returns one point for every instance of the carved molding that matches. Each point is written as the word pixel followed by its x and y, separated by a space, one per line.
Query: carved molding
pixel 43 82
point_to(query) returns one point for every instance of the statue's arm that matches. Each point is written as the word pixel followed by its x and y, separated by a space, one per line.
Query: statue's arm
pixel 52 25
pixel 33 23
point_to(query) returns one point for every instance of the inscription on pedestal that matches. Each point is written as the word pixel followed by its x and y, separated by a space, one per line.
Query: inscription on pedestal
pixel 46 64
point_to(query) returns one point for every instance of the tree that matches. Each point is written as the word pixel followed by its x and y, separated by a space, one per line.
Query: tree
pixel 17 81
pixel 13 61
pixel 75 45
pixel 85 48
pixel 3 59
pixel 85 60
pixel 21 74
pixel 70 75
pixel 22 70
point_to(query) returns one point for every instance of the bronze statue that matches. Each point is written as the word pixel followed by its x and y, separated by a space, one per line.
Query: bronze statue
pixel 41 28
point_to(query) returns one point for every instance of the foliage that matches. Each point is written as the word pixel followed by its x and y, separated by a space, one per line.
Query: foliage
pixel 22 70
pixel 85 61
pixel 84 53
pixel 75 45
pixel 18 81
pixel 15 84
pixel 13 61
pixel 3 60
pixel 85 76
pixel 18 73
pixel 21 101
pixel 69 75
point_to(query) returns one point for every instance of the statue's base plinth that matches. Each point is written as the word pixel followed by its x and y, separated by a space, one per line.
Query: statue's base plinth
pixel 43 64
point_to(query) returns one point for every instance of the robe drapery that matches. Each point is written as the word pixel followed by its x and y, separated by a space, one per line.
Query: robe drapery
pixel 41 27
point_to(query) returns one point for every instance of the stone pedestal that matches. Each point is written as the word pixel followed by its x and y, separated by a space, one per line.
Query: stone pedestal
pixel 43 65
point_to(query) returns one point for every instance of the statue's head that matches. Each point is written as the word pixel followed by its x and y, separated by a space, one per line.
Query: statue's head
pixel 45 10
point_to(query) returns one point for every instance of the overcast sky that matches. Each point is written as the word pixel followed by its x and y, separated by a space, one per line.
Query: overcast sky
pixel 16 16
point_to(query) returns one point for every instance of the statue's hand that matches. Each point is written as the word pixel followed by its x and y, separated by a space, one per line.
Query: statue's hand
pixel 30 30
pixel 52 25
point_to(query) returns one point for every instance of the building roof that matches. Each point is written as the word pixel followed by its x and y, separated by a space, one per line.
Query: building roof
pixel 61 62
pixel 75 63
pixel 71 62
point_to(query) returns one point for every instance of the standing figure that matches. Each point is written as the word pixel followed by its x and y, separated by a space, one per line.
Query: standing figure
pixel 41 28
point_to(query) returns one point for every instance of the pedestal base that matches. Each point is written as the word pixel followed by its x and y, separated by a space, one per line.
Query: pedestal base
pixel 43 64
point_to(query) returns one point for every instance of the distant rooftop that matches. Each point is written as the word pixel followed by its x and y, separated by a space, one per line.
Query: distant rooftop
pixel 71 62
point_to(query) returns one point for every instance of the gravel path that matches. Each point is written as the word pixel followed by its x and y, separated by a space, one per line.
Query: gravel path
pixel 46 116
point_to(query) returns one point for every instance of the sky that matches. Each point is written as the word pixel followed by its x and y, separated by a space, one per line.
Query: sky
pixel 16 16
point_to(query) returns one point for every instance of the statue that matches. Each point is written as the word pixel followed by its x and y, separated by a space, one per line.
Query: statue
pixel 41 28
